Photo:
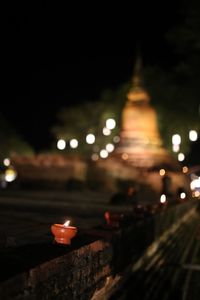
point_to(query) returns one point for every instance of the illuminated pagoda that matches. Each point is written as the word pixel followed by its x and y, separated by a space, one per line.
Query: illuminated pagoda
pixel 140 154
pixel 140 142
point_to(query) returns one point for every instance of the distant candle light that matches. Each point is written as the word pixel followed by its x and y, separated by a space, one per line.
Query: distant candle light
pixel 162 172
pixel 181 157
pixel 95 157
pixel 175 148
pixel 90 138
pixel 163 198
pixel 106 131
pixel 124 156
pixel 116 139
pixel 61 144
pixel 193 136
pixel 185 169
pixel 73 143
pixel 182 195
pixel 176 139
pixel 6 162
pixel 104 153
pixel 110 123
pixel 110 147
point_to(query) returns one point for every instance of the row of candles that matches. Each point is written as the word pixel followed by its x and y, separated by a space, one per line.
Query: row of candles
pixel 63 233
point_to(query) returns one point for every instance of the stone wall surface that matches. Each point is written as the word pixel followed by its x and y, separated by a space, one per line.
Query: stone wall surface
pixel 51 271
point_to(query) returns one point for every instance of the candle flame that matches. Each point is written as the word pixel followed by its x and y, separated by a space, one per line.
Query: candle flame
pixel 66 223
pixel 163 198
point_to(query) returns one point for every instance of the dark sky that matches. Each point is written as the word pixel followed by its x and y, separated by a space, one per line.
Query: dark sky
pixel 55 57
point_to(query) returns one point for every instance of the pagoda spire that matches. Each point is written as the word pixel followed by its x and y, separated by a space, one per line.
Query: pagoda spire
pixel 137 73
pixel 137 93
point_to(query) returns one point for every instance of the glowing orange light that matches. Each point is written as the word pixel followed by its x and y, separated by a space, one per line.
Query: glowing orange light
pixel 185 169
pixel 125 156
pixel 162 172
pixel 66 223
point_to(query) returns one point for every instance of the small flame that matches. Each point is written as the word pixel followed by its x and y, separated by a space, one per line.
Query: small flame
pixel 183 195
pixel 66 224
pixel 162 198
pixel 107 215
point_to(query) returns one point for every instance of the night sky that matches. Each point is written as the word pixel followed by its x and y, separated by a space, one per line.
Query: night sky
pixel 54 56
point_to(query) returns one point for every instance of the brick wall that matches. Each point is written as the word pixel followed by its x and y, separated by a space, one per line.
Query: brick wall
pixel 50 271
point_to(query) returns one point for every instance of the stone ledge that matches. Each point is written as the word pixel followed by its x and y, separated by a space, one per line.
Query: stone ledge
pixel 50 271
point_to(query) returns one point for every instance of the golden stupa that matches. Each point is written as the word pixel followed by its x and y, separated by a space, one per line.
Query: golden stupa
pixel 140 141
pixel 140 154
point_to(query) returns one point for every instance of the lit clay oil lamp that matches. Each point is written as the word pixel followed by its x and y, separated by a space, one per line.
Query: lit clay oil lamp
pixel 63 233
pixel 113 219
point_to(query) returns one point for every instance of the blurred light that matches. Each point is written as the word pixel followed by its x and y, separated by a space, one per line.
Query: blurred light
pixel 192 185
pixel 116 139
pixel 163 198
pixel 10 175
pixel 66 224
pixel 110 147
pixel 61 144
pixel 3 184
pixel 196 194
pixel 95 157
pixel 104 153
pixel 181 157
pixel 175 148
pixel 176 139
pixel 90 138
pixel 6 162
pixel 110 123
pixel 193 136
pixel 162 172
pixel 185 169
pixel 124 156
pixel 73 143
pixel 183 195
pixel 106 131
pixel 195 183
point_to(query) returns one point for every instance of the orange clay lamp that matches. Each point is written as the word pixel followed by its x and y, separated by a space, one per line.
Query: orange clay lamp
pixel 63 233
pixel 113 219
